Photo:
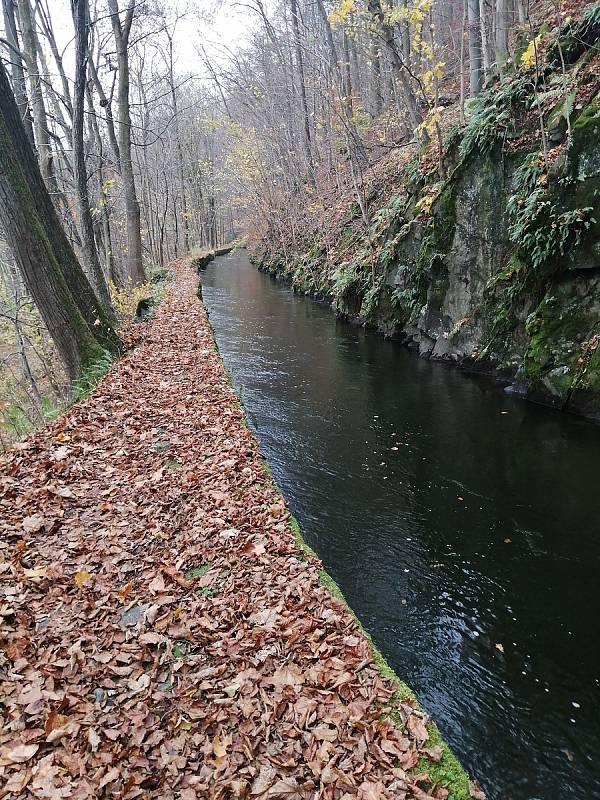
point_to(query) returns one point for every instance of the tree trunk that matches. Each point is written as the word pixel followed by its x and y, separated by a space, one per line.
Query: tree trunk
pixel 75 320
pixel 40 119
pixel 376 95
pixel 485 47
pixel 347 75
pixel 408 94
pixel 121 33
pixel 501 32
pixel 180 161
pixel 103 199
pixel 302 81
pixel 18 73
pixel 86 226
pixel 474 47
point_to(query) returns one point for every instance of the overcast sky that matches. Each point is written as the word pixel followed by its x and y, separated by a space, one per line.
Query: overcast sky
pixel 206 21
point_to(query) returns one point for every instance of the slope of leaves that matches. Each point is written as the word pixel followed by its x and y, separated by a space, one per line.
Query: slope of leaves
pixel 161 634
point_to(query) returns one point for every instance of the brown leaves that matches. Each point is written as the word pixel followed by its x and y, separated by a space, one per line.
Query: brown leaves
pixel 264 779
pixel 220 746
pixel 287 789
pixel 161 636
pixel 157 584
pixel 178 577
pixel 288 675
pixel 475 791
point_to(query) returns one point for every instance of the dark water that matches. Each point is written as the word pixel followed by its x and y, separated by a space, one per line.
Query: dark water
pixel 461 524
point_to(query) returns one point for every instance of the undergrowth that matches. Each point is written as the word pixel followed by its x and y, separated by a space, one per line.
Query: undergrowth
pixel 89 378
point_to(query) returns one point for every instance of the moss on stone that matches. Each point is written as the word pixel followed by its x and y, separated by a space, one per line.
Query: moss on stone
pixel 444 220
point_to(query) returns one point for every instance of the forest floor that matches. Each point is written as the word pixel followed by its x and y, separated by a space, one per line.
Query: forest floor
pixel 162 634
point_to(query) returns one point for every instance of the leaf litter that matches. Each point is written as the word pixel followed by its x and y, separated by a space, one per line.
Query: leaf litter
pixel 160 636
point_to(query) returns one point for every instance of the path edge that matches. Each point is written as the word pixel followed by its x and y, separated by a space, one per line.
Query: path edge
pixel 448 772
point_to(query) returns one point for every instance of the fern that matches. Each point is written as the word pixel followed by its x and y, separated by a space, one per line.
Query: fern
pixel 492 115
pixel 543 97
pixel 538 228
pixel 590 23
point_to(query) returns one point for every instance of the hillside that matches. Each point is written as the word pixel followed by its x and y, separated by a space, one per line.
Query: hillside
pixel 494 267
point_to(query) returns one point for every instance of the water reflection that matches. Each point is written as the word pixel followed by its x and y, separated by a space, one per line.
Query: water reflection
pixel 460 522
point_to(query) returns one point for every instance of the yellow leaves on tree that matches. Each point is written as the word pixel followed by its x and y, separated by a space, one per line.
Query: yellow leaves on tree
pixel 528 58
pixel 340 13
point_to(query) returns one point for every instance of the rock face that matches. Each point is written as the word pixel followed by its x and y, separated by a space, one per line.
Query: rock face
pixel 491 298
pixel 500 272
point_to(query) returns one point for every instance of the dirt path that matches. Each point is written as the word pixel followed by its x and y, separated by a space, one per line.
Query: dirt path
pixel 160 634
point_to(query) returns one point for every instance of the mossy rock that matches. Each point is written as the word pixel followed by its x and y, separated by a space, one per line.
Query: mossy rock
pixel 559 329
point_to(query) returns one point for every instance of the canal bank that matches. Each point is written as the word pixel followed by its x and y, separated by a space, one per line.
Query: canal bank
pixel 458 521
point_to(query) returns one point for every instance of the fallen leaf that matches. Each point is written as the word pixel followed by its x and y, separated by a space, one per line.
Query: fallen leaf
pixel 19 754
pixel 35 574
pixel 288 675
pixel 264 779
pixel 372 790
pixel 476 792
pixel 81 577
pixel 433 753
pixel 157 584
pixel 417 728
pixel 125 591
pixel 324 733
pixel 93 739
pixel 178 577
pixel 33 524
pixel 287 788
pixel 29 694
pixel 220 746
pixel 61 453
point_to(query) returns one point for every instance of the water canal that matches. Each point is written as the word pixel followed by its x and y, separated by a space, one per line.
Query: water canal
pixel 462 524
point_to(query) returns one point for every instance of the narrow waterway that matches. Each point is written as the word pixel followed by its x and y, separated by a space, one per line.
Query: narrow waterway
pixel 462 525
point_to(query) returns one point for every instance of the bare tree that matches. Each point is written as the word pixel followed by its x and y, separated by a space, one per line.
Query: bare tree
pixel 88 243
pixel 475 56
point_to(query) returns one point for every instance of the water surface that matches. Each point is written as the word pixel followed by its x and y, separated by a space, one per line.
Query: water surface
pixel 461 524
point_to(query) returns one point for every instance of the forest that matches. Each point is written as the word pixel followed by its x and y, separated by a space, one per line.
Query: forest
pixel 428 171
pixel 334 136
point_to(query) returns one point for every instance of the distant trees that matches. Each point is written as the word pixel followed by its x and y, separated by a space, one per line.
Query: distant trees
pixel 141 162
pixel 111 164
